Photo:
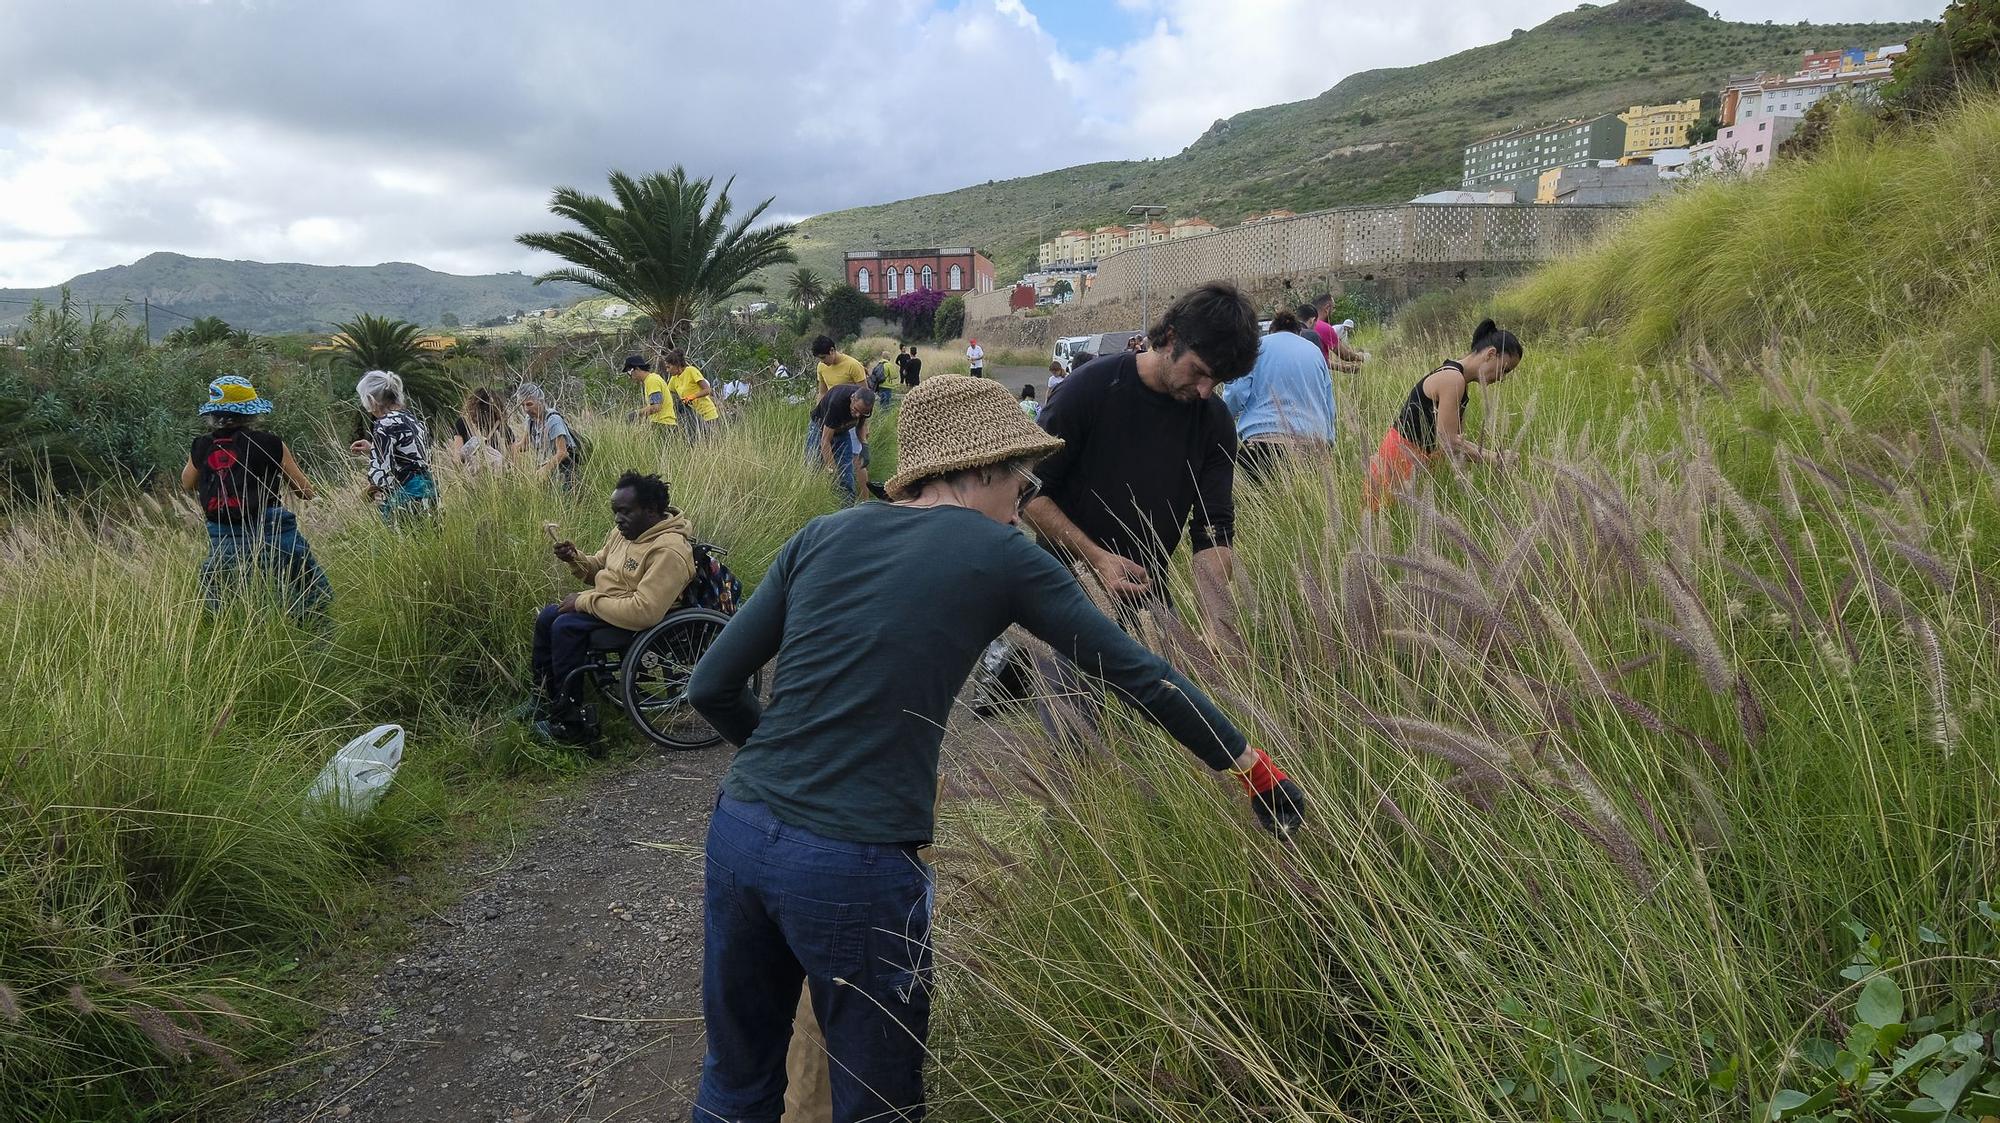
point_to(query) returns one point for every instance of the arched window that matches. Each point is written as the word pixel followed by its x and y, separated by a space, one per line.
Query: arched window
pixel 957 278
pixel 861 279
pixel 909 279
pixel 889 281
pixel 930 279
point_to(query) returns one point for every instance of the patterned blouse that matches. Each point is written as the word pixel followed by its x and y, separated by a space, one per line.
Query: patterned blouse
pixel 401 450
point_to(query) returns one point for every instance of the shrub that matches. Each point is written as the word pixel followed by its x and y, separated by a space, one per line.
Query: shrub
pixel 843 310
pixel 950 319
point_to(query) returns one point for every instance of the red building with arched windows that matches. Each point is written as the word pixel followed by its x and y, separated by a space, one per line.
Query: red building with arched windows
pixel 888 274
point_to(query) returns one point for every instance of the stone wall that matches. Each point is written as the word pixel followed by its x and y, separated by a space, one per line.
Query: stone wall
pixel 1392 253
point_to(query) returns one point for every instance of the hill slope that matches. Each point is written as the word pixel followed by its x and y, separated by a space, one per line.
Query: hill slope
pixel 264 297
pixel 1379 136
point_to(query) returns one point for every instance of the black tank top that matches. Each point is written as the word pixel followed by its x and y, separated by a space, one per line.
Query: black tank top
pixel 1418 422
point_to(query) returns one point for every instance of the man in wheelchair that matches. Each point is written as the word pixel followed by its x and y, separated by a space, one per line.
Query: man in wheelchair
pixel 634 582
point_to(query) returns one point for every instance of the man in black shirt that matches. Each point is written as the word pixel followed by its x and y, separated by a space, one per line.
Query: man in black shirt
pixel 842 416
pixel 1149 449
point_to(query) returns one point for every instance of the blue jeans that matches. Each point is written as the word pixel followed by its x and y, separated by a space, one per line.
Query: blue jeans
pixel 272 548
pixel 851 919
pixel 847 451
pixel 418 495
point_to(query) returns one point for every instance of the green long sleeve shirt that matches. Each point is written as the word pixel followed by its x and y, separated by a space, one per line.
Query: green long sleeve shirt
pixel 876 616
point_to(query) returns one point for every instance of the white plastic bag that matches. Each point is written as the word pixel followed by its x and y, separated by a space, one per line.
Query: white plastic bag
pixel 360 772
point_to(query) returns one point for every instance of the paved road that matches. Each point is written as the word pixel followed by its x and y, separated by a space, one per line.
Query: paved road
pixel 1013 378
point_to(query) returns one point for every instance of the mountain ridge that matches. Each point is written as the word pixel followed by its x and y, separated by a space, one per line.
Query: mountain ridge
pixel 1321 151
pixel 283 296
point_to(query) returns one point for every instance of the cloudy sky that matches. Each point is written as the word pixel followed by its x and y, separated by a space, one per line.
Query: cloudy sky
pixel 361 131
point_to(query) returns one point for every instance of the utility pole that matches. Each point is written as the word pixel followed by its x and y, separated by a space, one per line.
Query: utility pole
pixel 1146 213
pixel 149 321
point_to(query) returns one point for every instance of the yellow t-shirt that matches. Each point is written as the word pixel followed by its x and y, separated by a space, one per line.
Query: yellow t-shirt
pixel 848 369
pixel 687 384
pixel 657 385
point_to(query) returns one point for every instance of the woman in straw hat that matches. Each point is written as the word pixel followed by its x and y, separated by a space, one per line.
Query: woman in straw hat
pixel 813 870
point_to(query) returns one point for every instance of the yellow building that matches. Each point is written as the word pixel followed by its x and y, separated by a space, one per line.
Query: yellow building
pixel 1072 246
pixel 1545 185
pixel 1107 240
pixel 1189 227
pixel 1649 128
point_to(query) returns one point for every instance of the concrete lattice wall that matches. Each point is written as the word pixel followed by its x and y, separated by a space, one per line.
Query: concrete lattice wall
pixel 1413 244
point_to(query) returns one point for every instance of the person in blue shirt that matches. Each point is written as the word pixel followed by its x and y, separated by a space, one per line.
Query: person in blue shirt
pixel 1285 403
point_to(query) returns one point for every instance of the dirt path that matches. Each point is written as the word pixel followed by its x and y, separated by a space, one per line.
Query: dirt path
pixel 564 987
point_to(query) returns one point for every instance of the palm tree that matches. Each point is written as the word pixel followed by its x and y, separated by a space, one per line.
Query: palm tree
pixel 805 288
pixel 661 245
pixel 205 331
pixel 379 343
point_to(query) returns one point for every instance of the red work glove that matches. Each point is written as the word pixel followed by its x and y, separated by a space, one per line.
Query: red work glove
pixel 1277 800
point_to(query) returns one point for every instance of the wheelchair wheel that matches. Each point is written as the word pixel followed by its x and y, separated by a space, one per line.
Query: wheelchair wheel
pixel 655 680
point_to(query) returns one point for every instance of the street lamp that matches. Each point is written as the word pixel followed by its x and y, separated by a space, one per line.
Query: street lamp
pixel 1145 213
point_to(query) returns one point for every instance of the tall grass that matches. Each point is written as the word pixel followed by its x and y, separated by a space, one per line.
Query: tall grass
pixel 155 847
pixel 1884 248
pixel 1627 762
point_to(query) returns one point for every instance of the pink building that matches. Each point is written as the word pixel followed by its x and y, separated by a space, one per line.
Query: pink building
pixel 1754 140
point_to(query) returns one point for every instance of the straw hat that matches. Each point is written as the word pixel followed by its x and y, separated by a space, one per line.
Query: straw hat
pixel 952 422
pixel 233 394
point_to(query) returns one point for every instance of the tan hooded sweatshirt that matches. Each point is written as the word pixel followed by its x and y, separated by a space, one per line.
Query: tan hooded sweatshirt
pixel 634 583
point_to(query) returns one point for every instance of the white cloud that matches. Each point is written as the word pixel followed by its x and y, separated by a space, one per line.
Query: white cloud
pixel 433 132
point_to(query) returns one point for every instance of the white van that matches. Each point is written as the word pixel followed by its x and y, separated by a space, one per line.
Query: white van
pixel 1103 343
pixel 1071 345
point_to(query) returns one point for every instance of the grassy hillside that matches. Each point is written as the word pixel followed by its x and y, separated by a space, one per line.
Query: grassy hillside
pixel 263 298
pixel 1303 155
pixel 1883 248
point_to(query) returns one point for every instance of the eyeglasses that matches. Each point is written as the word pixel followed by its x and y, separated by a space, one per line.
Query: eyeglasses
pixel 1032 486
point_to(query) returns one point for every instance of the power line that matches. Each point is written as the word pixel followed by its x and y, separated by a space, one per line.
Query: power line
pixel 127 303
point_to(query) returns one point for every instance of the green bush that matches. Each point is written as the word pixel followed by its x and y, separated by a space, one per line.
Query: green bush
pixel 843 310
pixel 950 319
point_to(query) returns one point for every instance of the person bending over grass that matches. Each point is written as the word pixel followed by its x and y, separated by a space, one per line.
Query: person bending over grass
pixel 813 865
pixel 1149 454
pixel 1285 404
pixel 692 394
pixel 548 437
pixel 634 580
pixel 1432 419
pixel 235 472
pixel 398 449
pixel 841 420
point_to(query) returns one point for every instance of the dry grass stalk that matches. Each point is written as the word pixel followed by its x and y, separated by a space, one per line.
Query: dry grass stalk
pixel 1654 722
pixel 161 1030
pixel 1611 831
pixel 1360 601
pixel 1453 530
pixel 1468 751
pixel 10 1006
pixel 1697 629
pixel 1430 641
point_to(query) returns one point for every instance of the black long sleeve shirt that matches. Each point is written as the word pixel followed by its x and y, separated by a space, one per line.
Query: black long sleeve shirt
pixel 1138 467
pixel 876 616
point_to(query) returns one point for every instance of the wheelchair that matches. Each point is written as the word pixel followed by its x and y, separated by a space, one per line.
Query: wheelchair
pixel 647 672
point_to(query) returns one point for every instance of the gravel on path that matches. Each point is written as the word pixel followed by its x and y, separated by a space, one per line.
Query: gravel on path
pixel 566 986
